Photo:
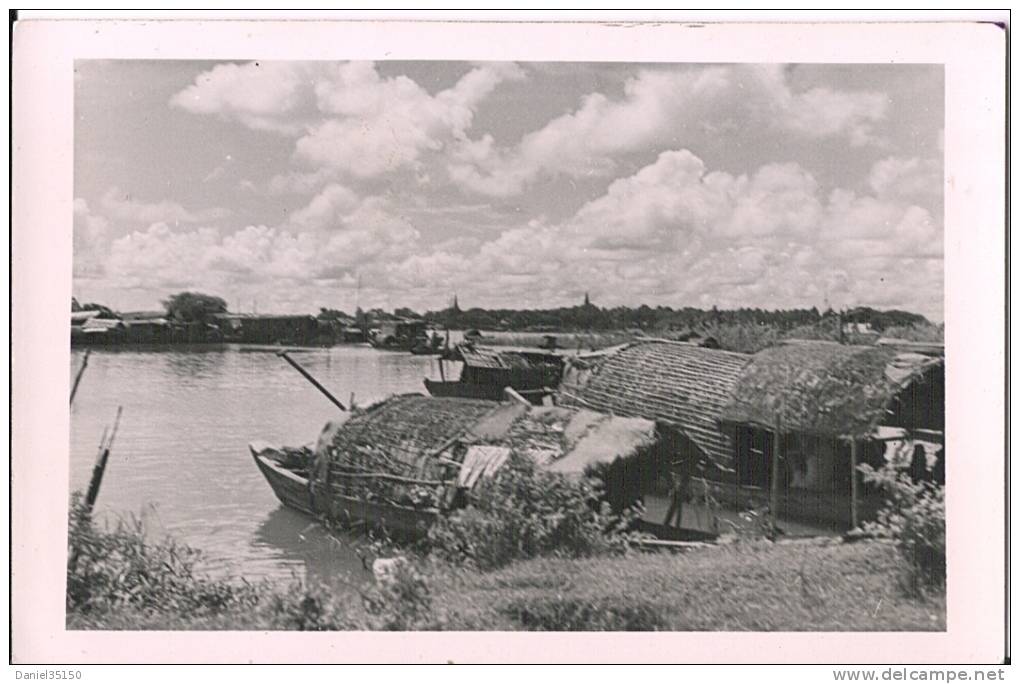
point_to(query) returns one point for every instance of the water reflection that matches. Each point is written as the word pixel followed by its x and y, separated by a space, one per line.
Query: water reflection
pixel 327 558
pixel 181 449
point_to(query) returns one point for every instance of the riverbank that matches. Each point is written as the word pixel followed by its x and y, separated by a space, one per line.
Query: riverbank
pixel 750 585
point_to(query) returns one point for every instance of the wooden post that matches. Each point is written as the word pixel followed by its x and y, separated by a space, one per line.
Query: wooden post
pixel 308 376
pixel 853 483
pixel 737 489
pixel 100 467
pixel 442 373
pixel 774 493
pixel 81 371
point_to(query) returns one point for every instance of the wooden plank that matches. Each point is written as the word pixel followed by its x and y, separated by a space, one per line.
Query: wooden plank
pixel 669 544
pixel 512 394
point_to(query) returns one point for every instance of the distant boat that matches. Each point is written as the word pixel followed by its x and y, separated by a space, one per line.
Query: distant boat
pixel 402 334
pixel 487 372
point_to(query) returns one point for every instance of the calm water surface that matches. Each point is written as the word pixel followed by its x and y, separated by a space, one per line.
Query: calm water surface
pixel 181 461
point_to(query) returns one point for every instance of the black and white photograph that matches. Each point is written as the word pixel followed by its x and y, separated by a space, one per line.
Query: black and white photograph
pixel 478 345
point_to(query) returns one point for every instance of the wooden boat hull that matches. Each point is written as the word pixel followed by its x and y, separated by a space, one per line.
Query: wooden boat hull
pixel 293 491
pixel 464 390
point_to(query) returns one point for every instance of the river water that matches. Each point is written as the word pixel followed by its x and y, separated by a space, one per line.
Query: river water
pixel 181 462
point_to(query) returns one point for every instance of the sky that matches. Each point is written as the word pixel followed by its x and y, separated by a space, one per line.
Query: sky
pixel 289 186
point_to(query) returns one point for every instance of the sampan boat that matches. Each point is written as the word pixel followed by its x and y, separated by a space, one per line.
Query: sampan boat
pixel 399 465
pixel 292 487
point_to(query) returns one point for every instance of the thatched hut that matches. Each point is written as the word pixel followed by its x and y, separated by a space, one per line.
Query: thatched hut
pixel 833 406
pixel 422 438
pixel 681 386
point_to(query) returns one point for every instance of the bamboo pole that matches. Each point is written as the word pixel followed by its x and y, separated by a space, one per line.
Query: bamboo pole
pixel 853 483
pixel 105 444
pixel 308 376
pixel 81 371
pixel 387 476
pixel 511 393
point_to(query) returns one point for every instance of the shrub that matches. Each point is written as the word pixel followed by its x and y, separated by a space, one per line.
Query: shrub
pixel 917 332
pixel 119 567
pixel 305 608
pixel 402 601
pixel 524 512
pixel 914 516
pixel 746 338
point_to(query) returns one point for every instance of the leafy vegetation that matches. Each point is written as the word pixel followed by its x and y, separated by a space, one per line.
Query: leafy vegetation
pixel 750 585
pixel 193 306
pixel 119 568
pixel 915 518
pixel 918 332
pixel 525 512
pixel 535 553
pixel 588 316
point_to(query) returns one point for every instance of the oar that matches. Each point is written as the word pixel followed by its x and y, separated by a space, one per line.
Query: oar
pixel 308 376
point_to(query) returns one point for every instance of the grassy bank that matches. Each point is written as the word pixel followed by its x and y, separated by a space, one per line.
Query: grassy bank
pixel 755 586
pixel 532 553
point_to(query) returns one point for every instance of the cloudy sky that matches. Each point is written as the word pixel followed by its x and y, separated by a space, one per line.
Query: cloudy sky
pixel 279 186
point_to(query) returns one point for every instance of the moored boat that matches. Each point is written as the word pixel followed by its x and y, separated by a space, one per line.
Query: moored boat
pixel 531 372
pixel 290 482
pixel 401 464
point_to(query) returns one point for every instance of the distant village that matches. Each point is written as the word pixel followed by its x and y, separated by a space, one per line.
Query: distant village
pixel 194 318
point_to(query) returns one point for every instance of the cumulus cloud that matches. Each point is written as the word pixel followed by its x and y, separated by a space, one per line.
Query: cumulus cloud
pixel 329 238
pixel 89 238
pixel 669 203
pixel 345 116
pixel 662 109
pixel 261 95
pixel 123 206
pixel 912 178
pixel 420 192
pixel 674 233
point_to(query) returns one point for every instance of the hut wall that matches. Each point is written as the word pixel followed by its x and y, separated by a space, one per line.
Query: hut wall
pixel 922 404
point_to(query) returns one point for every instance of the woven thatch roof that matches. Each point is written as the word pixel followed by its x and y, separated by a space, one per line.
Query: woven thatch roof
pixel 680 383
pixel 484 357
pixel 402 434
pixel 823 388
pixel 408 427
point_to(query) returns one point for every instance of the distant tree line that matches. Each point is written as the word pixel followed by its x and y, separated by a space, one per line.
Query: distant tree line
pixel 744 329
pixel 662 318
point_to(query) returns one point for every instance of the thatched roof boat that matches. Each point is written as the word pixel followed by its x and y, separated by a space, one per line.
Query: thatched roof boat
pixel 830 389
pixel 677 383
pixel 487 372
pixel 399 464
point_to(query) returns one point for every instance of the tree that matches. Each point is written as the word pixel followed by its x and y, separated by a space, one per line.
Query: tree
pixel 193 306
pixel 404 312
pixel 104 311
pixel 327 314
